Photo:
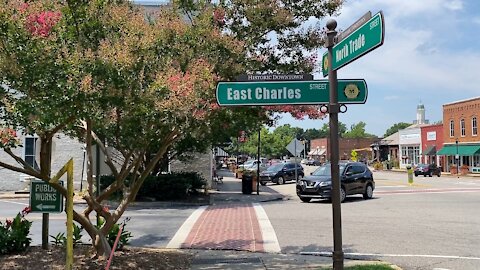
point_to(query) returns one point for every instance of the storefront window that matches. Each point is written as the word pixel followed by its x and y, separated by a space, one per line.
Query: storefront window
pixel 452 128
pixel 474 126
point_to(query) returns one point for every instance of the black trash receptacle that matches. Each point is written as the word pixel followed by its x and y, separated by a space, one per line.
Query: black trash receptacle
pixel 247 184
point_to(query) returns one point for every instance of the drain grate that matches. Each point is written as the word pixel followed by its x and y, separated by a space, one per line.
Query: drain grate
pixel 226 261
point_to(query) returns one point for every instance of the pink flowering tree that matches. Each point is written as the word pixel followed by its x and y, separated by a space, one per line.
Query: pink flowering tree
pixel 102 73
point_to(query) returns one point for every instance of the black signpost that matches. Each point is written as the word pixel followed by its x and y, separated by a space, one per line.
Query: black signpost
pixel 347 44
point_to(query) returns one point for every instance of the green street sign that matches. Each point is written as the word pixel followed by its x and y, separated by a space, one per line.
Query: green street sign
pixel 44 198
pixel 289 92
pixel 361 41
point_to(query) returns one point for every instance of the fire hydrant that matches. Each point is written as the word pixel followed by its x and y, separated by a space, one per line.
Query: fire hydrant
pixel 410 174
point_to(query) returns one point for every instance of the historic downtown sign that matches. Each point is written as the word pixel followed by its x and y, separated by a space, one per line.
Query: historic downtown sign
pixel 364 39
pixel 261 93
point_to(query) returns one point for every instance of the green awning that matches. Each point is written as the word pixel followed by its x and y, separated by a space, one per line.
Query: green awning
pixel 430 151
pixel 463 150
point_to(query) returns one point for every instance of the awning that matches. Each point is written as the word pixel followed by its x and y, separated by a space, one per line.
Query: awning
pixel 220 152
pixel 317 152
pixel 430 151
pixel 463 150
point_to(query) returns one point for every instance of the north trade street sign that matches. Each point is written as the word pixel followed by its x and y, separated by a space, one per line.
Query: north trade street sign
pixel 44 198
pixel 361 41
pixel 289 92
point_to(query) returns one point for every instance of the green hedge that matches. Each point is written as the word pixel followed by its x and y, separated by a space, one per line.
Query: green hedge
pixel 171 186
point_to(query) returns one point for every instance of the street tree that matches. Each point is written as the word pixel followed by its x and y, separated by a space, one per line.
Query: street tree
pixel 358 131
pixel 100 72
pixel 395 128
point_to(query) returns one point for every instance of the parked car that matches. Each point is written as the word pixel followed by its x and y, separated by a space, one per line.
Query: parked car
pixel 427 169
pixel 313 162
pixel 251 165
pixel 355 178
pixel 281 172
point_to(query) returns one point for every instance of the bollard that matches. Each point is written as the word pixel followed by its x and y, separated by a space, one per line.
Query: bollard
pixel 410 174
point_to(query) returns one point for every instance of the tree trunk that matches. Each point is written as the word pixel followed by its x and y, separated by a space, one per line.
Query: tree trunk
pixel 102 247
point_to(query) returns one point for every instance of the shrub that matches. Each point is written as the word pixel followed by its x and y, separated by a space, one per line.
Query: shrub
pixel 378 166
pixel 61 240
pixel 171 186
pixel 14 233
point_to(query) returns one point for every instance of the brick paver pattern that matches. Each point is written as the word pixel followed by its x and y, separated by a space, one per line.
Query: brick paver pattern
pixel 232 227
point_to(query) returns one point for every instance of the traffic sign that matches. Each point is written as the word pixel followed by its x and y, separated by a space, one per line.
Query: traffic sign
pixel 361 41
pixel 44 198
pixel 289 92
pixel 295 147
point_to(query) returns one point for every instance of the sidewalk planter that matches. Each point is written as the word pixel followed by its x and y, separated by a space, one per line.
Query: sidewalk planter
pixel 464 170
pixel 453 169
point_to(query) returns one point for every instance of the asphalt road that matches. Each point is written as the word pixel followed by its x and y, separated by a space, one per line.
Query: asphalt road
pixel 433 224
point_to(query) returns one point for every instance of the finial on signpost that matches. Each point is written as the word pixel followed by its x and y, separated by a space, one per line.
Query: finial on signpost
pixel 331 24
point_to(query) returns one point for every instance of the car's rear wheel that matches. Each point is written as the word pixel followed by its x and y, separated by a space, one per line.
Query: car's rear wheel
pixel 343 195
pixel 280 180
pixel 424 175
pixel 368 194
pixel 305 199
pixel 263 183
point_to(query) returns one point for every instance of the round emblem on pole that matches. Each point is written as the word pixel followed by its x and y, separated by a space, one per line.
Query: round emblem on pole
pixel 351 91
pixel 325 63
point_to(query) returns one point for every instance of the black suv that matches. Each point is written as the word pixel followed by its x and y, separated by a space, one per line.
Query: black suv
pixel 427 169
pixel 355 178
pixel 280 173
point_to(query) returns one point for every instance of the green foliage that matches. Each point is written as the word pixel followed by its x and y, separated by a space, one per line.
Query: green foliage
pixel 395 128
pixel 14 234
pixel 113 233
pixel 358 131
pixel 61 240
pixel 171 186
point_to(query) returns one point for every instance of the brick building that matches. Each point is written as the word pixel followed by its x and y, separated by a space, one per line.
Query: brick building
pixel 461 137
pixel 432 141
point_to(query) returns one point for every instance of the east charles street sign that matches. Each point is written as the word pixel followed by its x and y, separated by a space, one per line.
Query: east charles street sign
pixel 262 93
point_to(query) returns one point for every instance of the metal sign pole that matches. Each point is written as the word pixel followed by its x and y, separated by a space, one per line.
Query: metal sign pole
pixel 258 163
pixel 333 111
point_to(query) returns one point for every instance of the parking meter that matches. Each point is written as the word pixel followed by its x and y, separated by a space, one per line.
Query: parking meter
pixel 410 174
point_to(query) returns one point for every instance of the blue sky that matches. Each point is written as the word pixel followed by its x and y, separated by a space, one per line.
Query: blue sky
pixel 431 54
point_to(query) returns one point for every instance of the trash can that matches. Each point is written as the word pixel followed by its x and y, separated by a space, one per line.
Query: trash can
pixel 410 174
pixel 247 181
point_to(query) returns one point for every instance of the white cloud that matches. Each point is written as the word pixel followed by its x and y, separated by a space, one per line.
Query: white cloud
pixel 454 5
pixel 391 98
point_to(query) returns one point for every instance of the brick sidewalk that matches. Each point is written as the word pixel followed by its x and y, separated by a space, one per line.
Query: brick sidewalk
pixel 233 227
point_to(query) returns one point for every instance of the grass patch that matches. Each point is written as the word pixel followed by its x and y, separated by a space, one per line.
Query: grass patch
pixel 366 267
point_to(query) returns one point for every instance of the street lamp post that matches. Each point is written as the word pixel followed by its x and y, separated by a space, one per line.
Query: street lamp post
pixel 457 157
